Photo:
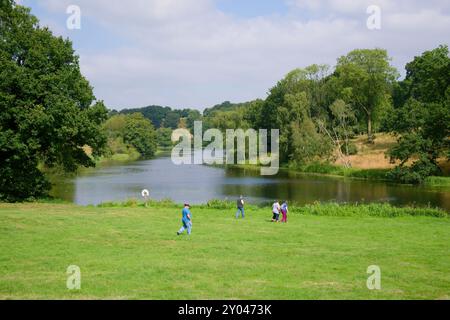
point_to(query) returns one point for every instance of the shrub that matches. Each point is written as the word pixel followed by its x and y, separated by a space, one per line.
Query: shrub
pixel 220 204
pixel 350 147
pixel 367 210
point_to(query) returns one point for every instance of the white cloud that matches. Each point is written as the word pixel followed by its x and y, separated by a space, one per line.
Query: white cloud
pixel 187 53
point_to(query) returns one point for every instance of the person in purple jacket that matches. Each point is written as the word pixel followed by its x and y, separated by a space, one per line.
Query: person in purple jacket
pixel 284 211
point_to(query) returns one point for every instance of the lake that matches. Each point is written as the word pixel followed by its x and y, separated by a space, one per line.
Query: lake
pixel 198 184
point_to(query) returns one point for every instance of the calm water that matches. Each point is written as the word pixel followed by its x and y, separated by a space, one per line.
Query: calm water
pixel 198 184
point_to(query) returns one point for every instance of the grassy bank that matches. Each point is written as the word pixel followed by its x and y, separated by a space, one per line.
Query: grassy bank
pixel 127 251
pixel 438 181
pixel 370 163
pixel 130 156
pixel 355 173
pixel 367 174
pixel 335 170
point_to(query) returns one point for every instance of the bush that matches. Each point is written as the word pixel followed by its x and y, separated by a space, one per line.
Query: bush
pixel 351 148
pixel 220 204
pixel 367 210
pixel 318 167
pixel 417 173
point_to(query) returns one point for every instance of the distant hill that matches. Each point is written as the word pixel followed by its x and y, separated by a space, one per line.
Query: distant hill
pixel 160 116
pixel 170 118
pixel 225 106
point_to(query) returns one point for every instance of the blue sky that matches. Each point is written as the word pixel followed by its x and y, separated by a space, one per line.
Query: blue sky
pixel 197 53
pixel 252 8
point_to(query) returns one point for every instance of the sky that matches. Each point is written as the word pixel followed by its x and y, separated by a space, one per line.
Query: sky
pixel 199 53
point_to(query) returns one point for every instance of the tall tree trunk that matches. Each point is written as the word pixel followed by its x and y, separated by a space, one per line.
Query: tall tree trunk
pixel 369 127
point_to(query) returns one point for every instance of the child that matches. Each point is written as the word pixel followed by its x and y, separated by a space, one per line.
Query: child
pixel 276 211
pixel 284 211
pixel 186 220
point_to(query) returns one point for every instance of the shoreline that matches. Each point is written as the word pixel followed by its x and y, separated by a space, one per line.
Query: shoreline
pixel 351 173
pixel 319 208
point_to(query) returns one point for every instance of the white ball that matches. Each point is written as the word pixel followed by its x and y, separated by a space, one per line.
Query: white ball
pixel 145 193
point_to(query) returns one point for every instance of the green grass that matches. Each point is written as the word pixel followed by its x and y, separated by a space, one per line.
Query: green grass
pixel 367 174
pixel 437 181
pixel 340 171
pixel 119 157
pixel 335 170
pixel 126 251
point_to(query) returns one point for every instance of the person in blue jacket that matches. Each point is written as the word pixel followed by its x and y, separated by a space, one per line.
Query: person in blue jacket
pixel 186 220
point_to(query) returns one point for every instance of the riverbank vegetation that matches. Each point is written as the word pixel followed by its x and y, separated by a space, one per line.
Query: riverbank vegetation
pixel 132 252
pixel 49 116
pixel 322 112
pixel 47 108
pixel 130 136
pixel 319 209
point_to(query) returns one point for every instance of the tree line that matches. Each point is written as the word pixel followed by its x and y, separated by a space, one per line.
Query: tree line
pixel 49 114
pixel 319 109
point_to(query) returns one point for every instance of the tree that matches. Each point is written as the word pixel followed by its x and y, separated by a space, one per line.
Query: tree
pixel 224 120
pixel 252 113
pixel 115 125
pixel 47 109
pixel 301 142
pixel 422 123
pixel 341 129
pixel 292 106
pixel 365 78
pixel 140 133
pixel 313 81
pixel 164 137
pixel 193 115
pixel 428 76
pixel 171 120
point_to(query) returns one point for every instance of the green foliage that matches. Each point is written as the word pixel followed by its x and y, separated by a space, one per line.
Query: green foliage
pixel 130 133
pixel 193 115
pixel 330 169
pixel 349 149
pixel 422 122
pixel 308 144
pixel 224 120
pixel 383 210
pixel 220 204
pixel 428 76
pixel 134 203
pixel 365 79
pixel 164 137
pixel 164 117
pixel 115 126
pixel 225 107
pixel 252 114
pixel 437 181
pixel 140 133
pixel 233 116
pixel 290 107
pixel 340 129
pixel 416 173
pixel 47 113
pixel 118 150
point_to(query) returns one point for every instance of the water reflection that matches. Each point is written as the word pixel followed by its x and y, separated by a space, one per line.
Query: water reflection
pixel 197 184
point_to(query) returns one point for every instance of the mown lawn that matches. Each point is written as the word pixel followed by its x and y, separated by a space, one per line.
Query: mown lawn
pixel 134 253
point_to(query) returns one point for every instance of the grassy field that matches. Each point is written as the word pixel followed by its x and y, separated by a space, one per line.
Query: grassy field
pixel 134 253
